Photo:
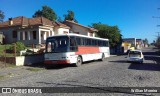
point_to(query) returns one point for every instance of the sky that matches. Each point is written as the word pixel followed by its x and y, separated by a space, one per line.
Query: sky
pixel 133 17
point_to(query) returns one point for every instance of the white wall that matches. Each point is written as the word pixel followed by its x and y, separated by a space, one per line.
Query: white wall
pixel 79 29
pixel 8 34
pixel 60 30
pixel 28 60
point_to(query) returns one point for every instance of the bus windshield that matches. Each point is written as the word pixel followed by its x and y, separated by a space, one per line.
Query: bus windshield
pixel 57 44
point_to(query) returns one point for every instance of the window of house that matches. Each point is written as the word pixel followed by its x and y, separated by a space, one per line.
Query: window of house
pixel 34 35
pixel 47 34
pixel 76 32
pixel 65 32
pixel 51 33
pixel 21 35
pixel 91 34
pixel 14 34
pixel 26 35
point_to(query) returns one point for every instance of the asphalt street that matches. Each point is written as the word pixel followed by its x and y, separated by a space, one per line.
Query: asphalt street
pixel 113 72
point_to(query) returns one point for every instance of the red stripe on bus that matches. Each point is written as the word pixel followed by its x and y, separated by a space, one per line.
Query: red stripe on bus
pixel 57 62
pixel 87 50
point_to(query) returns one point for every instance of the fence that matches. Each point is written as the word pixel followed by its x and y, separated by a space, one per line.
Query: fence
pixel 12 57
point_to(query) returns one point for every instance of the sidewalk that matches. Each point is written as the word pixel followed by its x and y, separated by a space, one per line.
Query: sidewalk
pixel 113 55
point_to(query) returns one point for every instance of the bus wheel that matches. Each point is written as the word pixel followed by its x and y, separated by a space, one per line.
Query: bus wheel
pixel 102 59
pixel 79 61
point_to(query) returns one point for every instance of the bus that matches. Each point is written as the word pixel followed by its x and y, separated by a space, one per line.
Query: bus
pixel 75 49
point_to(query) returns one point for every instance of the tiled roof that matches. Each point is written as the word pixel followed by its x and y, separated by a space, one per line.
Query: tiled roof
pixel 61 25
pixel 23 21
pixel 72 22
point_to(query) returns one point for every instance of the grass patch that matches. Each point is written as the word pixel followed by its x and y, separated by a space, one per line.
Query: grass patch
pixel 2 65
pixel 35 69
pixel 11 65
pixel 6 76
pixel 2 76
pixel 2 48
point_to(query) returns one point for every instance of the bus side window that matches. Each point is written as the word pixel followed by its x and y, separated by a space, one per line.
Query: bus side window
pixel 104 43
pixel 107 43
pixel 78 40
pixel 84 42
pixel 49 47
pixel 73 44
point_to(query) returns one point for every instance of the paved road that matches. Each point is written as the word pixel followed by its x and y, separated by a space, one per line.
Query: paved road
pixel 113 72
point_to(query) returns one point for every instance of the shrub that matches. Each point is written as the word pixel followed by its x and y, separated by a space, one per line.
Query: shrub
pixel 19 46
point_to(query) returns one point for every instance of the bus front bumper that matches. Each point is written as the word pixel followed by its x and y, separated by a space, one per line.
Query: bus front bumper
pixel 57 62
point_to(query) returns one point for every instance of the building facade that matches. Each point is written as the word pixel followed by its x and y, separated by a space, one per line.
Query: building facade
pixel 30 30
pixel 36 30
pixel 80 29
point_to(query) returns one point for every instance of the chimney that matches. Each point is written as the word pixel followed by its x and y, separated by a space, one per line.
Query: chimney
pixel 10 21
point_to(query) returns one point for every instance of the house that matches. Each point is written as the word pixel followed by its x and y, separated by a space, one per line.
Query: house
pixel 80 29
pixel 31 30
pixel 36 30
pixel 139 43
pixel 127 43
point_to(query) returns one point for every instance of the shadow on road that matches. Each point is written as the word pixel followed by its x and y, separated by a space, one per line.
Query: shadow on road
pixel 153 51
pixel 150 53
pixel 42 65
pixel 153 58
pixel 38 65
pixel 119 61
pixel 59 66
pixel 52 67
pixel 145 66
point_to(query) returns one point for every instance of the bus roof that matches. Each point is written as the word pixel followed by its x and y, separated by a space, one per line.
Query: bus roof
pixel 72 34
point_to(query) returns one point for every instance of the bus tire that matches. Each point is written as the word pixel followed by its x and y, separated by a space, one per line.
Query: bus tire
pixel 102 59
pixel 47 67
pixel 79 61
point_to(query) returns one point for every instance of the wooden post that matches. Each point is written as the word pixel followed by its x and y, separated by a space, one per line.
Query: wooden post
pixel 5 56
pixel 33 48
pixel 14 50
pixel 32 45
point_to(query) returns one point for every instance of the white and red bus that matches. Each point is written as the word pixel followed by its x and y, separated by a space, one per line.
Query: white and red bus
pixel 75 49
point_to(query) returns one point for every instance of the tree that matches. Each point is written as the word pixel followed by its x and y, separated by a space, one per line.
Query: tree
pixel 46 12
pixel 70 16
pixel 110 32
pixel 59 19
pixel 158 42
pixel 1 16
pixel 145 41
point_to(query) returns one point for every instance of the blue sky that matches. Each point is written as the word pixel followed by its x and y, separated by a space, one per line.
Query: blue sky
pixel 133 17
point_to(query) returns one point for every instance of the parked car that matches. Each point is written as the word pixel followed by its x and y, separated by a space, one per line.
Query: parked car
pixel 135 56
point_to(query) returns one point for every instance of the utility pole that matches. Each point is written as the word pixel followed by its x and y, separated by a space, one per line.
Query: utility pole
pixel 158 33
pixel 157 17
